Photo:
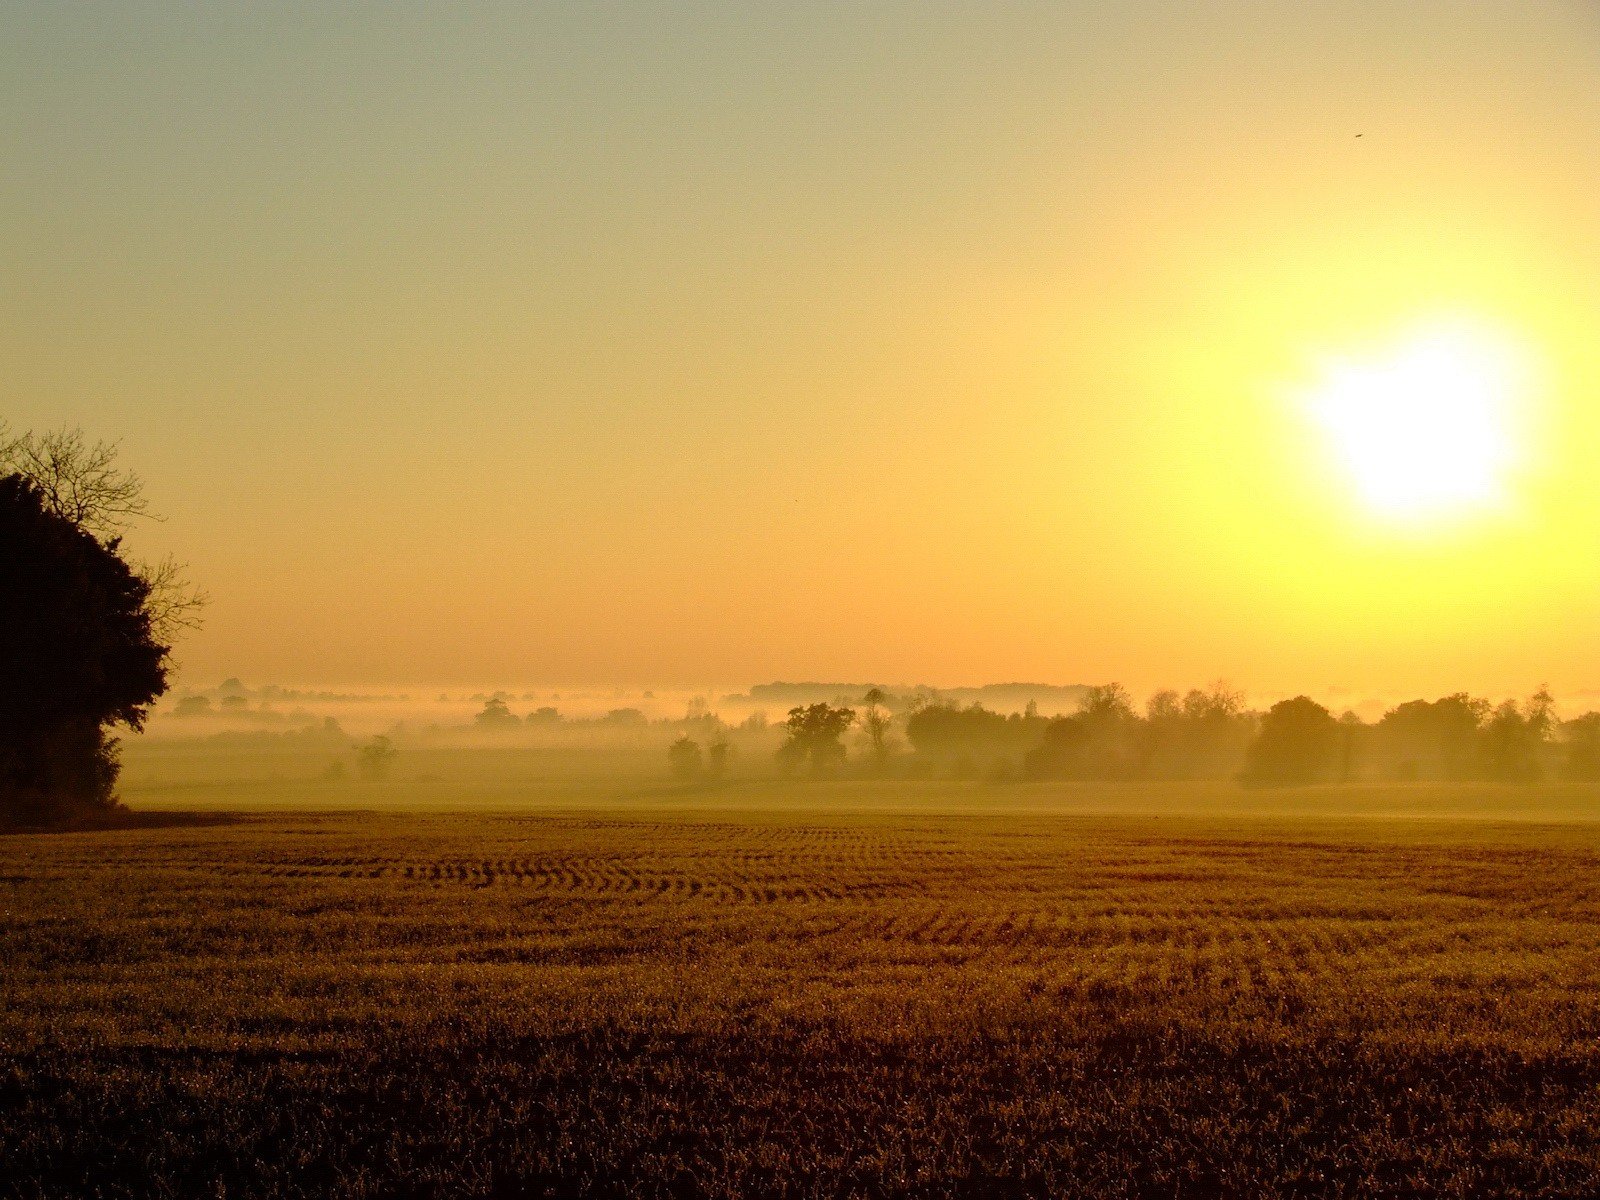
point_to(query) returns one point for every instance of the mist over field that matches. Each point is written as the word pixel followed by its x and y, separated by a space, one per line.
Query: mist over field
pixel 239 730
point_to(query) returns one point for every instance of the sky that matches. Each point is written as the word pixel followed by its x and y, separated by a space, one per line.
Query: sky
pixel 640 343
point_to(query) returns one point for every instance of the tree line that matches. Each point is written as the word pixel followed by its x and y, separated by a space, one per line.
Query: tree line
pixel 1202 734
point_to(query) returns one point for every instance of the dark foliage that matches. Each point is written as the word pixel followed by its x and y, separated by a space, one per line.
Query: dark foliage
pixel 1514 737
pixel 814 734
pixel 685 758
pixel 77 655
pixel 945 729
pixel 1437 740
pixel 1099 742
pixel 496 715
pixel 1582 736
pixel 1300 742
pixel 1200 735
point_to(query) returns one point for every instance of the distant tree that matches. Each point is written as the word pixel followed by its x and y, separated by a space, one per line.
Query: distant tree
pixel 1164 708
pixel 497 715
pixel 375 759
pixel 79 653
pixel 1581 739
pixel 684 758
pixel 1539 711
pixel 1219 702
pixel 1107 703
pixel 962 738
pixel 544 716
pixel 814 733
pixel 718 756
pixel 1299 743
pixel 1437 739
pixel 700 723
pixel 1102 740
pixel 1062 752
pixel 1352 730
pixel 1202 733
pixel 1164 728
pixel 1515 737
pixel 876 723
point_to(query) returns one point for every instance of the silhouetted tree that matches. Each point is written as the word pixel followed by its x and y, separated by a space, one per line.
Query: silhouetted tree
pixel 875 722
pixel 718 756
pixel 1437 740
pixel 1099 741
pixel 77 479
pixel 77 655
pixel 1203 733
pixel 683 756
pixel 1300 742
pixel 1352 730
pixel 1515 736
pixel 1062 751
pixel 80 481
pixel 962 738
pixel 496 715
pixel 1581 737
pixel 376 758
pixel 814 733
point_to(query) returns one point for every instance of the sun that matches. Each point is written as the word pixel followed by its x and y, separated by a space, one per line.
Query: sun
pixel 1427 427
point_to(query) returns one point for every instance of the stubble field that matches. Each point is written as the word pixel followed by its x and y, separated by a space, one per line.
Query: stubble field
pixel 770 992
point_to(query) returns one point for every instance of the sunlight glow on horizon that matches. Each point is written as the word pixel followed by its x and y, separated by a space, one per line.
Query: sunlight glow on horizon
pixel 655 345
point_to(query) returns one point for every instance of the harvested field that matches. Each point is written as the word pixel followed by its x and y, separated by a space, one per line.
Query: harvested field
pixel 661 1000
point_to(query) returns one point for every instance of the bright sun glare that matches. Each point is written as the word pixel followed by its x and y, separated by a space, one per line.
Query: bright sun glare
pixel 1428 427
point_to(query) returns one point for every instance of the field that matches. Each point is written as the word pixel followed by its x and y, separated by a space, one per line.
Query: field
pixel 785 990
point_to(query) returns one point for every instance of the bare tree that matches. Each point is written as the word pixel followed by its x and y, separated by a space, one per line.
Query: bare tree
pixel 80 481
pixel 175 604
pixel 876 721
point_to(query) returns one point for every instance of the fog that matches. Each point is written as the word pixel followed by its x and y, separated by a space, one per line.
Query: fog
pixel 350 743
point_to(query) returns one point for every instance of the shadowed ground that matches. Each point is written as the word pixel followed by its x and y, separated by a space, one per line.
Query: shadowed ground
pixel 662 997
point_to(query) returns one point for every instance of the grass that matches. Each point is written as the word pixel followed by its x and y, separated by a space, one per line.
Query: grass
pixel 776 990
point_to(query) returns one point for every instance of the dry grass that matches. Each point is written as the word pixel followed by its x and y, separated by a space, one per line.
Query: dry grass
pixel 662 998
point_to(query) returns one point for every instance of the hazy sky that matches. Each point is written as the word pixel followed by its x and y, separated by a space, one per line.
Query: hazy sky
pixel 678 343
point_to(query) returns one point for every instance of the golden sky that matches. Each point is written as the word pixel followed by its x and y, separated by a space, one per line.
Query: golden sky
pixel 687 343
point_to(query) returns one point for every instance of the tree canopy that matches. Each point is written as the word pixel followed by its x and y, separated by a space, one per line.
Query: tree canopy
pixel 1300 742
pixel 814 733
pixel 77 654
pixel 85 631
